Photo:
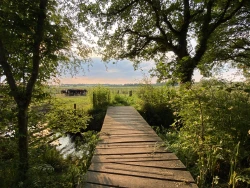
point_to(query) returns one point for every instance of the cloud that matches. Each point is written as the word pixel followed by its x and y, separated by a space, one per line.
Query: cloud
pixel 122 72
pixel 99 72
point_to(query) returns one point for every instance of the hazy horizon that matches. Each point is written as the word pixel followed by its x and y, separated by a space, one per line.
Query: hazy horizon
pixel 123 72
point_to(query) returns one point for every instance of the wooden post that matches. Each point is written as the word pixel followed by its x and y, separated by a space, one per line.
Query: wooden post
pixel 130 93
pixel 74 109
pixel 94 100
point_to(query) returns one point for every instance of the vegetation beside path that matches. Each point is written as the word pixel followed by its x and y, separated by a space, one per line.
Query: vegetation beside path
pixel 207 126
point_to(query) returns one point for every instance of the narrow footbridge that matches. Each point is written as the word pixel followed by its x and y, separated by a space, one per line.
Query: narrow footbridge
pixel 130 154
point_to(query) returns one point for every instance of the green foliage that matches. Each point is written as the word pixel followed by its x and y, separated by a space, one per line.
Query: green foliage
pixel 63 119
pixel 98 115
pixel 50 169
pixel 123 100
pixel 165 31
pixel 100 97
pixel 8 162
pixel 155 105
pixel 35 37
pixel 209 131
pixel 213 140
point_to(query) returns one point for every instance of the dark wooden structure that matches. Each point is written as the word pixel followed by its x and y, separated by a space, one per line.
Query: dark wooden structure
pixel 130 154
pixel 74 92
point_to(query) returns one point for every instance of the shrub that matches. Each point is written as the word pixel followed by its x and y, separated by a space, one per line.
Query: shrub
pixel 65 120
pixel 101 97
pixel 209 131
pixel 155 105
pixel 213 140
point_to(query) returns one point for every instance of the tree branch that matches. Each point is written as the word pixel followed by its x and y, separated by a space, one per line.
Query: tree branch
pixel 157 16
pixel 223 19
pixel 7 70
pixel 36 48
pixel 158 39
pixel 204 33
pixel 184 29
pixel 186 15
pixel 121 10
pixel 135 51
pixel 170 26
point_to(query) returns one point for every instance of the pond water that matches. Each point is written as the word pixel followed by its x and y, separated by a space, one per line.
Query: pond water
pixel 67 146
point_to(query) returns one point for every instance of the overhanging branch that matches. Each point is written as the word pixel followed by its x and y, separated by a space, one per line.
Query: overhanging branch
pixel 157 17
pixel 223 19
pixel 36 48
pixel 7 70
pixel 115 12
pixel 159 39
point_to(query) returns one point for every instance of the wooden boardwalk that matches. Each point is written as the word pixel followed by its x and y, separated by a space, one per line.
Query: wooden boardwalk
pixel 130 154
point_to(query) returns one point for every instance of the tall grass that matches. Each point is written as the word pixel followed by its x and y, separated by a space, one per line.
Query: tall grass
pixel 210 131
pixel 155 105
pixel 100 97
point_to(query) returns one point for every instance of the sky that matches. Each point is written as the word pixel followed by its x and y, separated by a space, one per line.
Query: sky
pixel 121 72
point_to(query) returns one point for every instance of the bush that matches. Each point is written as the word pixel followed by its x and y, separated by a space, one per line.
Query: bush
pixel 213 140
pixel 155 105
pixel 100 97
pixel 47 166
pixel 8 162
pixel 50 169
pixel 210 128
pixel 65 120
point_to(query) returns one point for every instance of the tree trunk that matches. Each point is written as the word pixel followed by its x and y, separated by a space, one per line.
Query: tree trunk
pixel 186 69
pixel 186 75
pixel 23 143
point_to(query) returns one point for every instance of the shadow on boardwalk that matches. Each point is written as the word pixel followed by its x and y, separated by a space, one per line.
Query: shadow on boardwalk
pixel 130 154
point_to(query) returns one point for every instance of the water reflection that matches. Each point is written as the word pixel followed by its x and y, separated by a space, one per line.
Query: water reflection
pixel 67 146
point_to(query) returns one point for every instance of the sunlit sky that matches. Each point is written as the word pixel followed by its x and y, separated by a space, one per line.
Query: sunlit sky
pixel 123 72
pixel 100 72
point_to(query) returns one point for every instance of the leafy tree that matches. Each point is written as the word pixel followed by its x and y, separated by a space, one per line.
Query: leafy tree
pixel 34 37
pixel 179 35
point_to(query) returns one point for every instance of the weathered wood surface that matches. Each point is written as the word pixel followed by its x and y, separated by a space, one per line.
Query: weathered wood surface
pixel 130 154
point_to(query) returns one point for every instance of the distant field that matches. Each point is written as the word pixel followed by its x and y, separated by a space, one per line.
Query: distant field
pixel 114 90
pixel 118 94
pixel 82 102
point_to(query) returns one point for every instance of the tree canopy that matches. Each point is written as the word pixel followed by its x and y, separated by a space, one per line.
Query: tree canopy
pixel 35 37
pixel 179 35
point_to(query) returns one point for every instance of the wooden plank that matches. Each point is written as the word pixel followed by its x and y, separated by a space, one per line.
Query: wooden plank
pixel 174 164
pixel 142 171
pixel 113 131
pixel 130 154
pixel 122 134
pixel 94 185
pixel 112 136
pixel 123 129
pixel 130 145
pixel 134 157
pixel 118 180
pixel 128 150
pixel 125 123
pixel 131 139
